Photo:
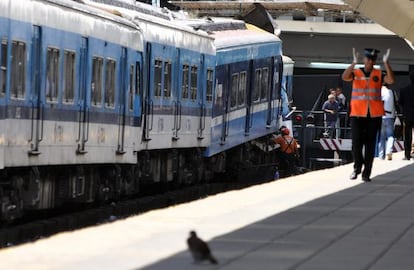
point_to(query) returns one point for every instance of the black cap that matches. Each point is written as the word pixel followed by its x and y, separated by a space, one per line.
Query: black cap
pixel 371 53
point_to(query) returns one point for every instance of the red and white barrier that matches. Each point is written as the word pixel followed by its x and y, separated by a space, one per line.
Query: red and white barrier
pixel 398 146
pixel 336 144
pixel 346 145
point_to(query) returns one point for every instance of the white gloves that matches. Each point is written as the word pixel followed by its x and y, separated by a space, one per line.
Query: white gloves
pixel 355 56
pixel 386 55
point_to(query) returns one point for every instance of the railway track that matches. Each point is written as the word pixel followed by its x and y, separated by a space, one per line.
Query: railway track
pixel 33 230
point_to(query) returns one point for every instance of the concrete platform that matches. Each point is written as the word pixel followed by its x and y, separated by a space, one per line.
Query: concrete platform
pixel 319 220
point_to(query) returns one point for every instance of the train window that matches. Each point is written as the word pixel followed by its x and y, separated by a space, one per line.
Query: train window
pixel 264 84
pixel 3 68
pixel 110 83
pixel 157 77
pixel 257 80
pixel 18 70
pixel 209 90
pixel 96 85
pixel 241 97
pixel 52 71
pixel 185 83
pixel 131 91
pixel 234 90
pixel 138 78
pixel 193 88
pixel 69 76
pixel 167 79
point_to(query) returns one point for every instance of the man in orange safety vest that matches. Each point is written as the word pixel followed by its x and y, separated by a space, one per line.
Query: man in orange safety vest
pixel 366 108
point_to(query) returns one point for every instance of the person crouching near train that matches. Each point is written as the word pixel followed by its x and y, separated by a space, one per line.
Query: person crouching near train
pixel 366 108
pixel 288 151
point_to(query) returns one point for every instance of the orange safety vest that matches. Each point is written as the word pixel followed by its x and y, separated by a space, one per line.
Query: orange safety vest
pixel 366 94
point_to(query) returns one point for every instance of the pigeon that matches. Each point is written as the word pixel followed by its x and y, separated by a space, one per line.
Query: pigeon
pixel 199 249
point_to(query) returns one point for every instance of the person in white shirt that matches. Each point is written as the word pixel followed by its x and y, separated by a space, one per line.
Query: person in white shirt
pixel 386 138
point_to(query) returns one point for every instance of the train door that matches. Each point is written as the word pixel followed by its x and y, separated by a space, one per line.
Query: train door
pixel 122 104
pixel 37 105
pixel 201 98
pixel 175 99
pixel 270 95
pixel 249 98
pixel 277 88
pixel 225 105
pixel 148 104
pixel 83 116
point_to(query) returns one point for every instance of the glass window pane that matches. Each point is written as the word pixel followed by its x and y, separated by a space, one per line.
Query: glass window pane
pixel 257 80
pixel 264 84
pixel 3 68
pixel 110 83
pixel 167 79
pixel 242 89
pixel 209 92
pixel 131 91
pixel 52 71
pixel 193 89
pixel 157 78
pixel 18 65
pixel 96 85
pixel 138 79
pixel 69 77
pixel 185 82
pixel 234 90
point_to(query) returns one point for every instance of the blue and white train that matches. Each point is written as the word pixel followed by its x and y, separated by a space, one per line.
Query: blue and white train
pixel 100 100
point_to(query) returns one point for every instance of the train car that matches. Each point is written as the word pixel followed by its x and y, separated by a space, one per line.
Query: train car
pixel 99 99
pixel 287 85
pixel 178 94
pixel 70 76
pixel 249 65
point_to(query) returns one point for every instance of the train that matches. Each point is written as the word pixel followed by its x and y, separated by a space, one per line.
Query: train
pixel 100 100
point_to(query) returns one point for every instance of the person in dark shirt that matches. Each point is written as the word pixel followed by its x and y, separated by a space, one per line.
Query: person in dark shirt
pixel 406 101
pixel 330 108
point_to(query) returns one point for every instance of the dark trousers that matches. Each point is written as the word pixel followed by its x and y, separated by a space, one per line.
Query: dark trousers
pixel 364 138
pixel 288 162
pixel 408 137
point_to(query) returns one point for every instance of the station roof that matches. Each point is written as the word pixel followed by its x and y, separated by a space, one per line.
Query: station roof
pixel 231 8
pixel 396 15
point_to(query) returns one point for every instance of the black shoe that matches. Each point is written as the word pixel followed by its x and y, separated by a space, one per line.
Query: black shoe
pixel 354 175
pixel 366 179
pixel 406 158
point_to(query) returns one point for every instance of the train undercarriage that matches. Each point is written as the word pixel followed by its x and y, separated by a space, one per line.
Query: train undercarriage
pixel 157 171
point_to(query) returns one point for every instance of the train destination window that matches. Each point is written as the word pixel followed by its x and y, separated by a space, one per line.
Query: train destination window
pixel 110 83
pixel 52 74
pixel 209 90
pixel 3 68
pixel 18 70
pixel 257 80
pixel 193 89
pixel 264 84
pixel 185 82
pixel 96 85
pixel 167 79
pixel 241 97
pixel 68 76
pixel 157 77
pixel 131 90
pixel 234 90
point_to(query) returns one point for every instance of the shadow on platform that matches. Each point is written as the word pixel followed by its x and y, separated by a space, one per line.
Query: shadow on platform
pixel 369 226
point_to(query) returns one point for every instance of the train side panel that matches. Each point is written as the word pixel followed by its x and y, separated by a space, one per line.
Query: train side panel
pixel 53 115
pixel 247 88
